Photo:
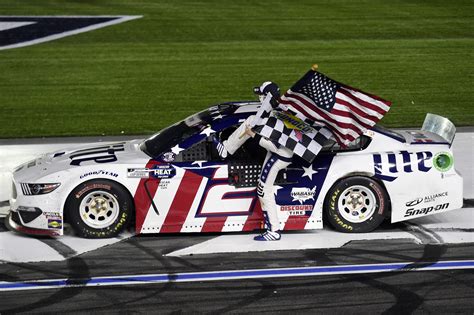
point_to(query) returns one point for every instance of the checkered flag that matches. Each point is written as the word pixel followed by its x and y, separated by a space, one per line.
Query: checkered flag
pixel 305 141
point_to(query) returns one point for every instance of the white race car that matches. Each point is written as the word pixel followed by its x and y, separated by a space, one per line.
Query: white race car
pixel 176 182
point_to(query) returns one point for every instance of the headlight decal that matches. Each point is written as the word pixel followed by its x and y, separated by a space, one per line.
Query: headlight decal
pixel 38 189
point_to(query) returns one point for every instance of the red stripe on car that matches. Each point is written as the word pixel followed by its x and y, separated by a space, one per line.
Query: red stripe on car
pixel 215 224
pixel 296 222
pixel 141 198
pixel 255 220
pixel 182 203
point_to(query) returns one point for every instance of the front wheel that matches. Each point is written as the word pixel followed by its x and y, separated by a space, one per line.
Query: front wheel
pixel 99 209
pixel 356 205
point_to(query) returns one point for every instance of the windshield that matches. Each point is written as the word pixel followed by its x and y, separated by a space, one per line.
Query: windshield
pixel 173 135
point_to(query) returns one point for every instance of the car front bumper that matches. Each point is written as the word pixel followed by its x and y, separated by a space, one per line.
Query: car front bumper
pixel 15 222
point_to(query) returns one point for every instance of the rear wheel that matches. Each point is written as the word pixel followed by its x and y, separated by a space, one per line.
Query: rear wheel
pixel 99 209
pixel 356 205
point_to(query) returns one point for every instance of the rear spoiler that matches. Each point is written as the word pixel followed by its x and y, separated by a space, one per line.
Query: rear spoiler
pixel 441 126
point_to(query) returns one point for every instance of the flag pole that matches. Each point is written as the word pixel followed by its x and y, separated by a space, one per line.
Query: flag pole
pixel 314 67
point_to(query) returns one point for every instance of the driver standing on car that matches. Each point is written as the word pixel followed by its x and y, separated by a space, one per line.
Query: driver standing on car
pixel 278 157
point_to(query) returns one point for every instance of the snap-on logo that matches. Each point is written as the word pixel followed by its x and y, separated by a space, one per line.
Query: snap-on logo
pixel 388 165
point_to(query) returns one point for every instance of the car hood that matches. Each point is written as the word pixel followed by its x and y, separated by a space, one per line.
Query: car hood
pixel 83 156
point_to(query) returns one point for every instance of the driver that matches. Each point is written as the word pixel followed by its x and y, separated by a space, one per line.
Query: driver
pixel 277 158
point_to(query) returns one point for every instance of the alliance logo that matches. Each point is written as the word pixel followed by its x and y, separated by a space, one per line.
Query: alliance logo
pixel 21 31
pixel 426 199
pixel 414 202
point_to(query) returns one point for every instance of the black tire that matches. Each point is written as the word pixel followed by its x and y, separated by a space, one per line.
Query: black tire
pixel 99 209
pixel 356 205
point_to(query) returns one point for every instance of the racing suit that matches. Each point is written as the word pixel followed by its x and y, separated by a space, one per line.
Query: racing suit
pixel 277 158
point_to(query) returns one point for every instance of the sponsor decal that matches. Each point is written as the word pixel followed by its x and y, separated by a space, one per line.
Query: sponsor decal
pixel 163 171
pixel 426 199
pixel 342 224
pixel 168 156
pixel 333 211
pixel 443 161
pixel 105 154
pixel 164 184
pixel 380 197
pixel 99 173
pixel 302 194
pixel 369 133
pixel 138 172
pixel 52 215
pixel 293 122
pixel 90 187
pixel 414 202
pixel 427 210
pixel 158 171
pixel 404 161
pixel 332 203
pixel 120 222
pixel 296 209
pixel 55 223
pixel 21 31
pixel 432 198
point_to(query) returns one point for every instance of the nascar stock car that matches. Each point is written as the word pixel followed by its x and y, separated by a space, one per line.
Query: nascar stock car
pixel 175 182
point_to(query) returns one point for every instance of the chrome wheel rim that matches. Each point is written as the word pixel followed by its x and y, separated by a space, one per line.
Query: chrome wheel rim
pixel 357 204
pixel 99 209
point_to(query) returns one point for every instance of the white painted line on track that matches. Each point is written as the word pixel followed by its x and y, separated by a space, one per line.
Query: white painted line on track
pixel 236 275
pixel 11 25
pixel 119 19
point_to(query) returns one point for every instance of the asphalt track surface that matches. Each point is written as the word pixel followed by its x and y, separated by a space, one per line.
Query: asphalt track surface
pixel 407 291
pixel 413 289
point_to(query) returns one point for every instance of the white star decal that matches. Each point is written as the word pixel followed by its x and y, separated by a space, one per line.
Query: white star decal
pixel 208 131
pixel 217 117
pixel 308 171
pixel 176 149
pixel 276 188
pixel 199 163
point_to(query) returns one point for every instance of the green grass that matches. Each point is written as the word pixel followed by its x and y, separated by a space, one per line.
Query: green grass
pixel 142 75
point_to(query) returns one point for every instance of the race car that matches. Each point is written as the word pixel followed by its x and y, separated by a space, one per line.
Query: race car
pixel 176 182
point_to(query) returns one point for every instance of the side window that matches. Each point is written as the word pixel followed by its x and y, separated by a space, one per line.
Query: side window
pixel 205 150
pixel 249 151
pixel 331 146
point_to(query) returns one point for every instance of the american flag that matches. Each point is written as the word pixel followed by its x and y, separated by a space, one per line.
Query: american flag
pixel 346 111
